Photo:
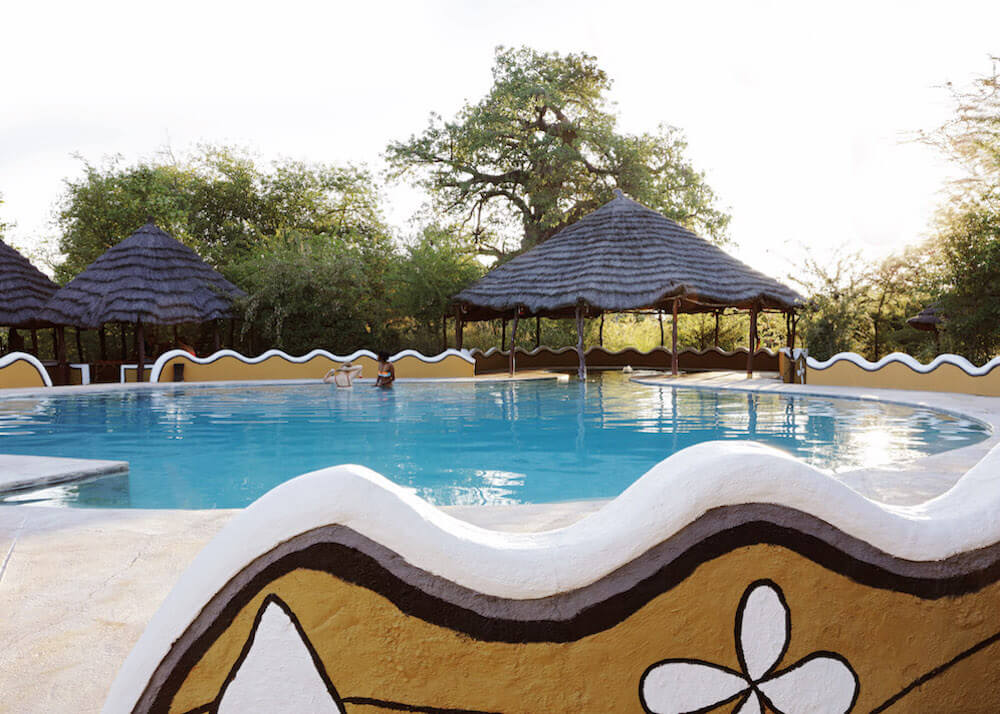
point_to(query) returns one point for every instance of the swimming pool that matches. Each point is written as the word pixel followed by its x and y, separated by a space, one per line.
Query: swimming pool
pixel 452 443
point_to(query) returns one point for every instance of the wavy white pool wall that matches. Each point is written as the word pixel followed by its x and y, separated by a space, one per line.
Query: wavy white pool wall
pixel 840 604
pixel 946 373
pixel 228 365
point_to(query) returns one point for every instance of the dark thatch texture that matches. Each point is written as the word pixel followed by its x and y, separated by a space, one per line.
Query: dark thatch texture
pixel 927 319
pixel 24 290
pixel 623 256
pixel 149 277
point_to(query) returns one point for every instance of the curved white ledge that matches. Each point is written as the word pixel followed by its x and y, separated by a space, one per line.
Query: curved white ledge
pixel 667 498
pixel 167 356
pixel 956 360
pixel 13 357
pixel 450 352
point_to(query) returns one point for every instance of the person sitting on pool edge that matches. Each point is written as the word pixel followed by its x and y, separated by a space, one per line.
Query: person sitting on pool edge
pixel 343 376
pixel 386 372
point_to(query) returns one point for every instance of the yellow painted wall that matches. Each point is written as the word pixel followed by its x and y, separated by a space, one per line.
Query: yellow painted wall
pixel 452 366
pixel 20 373
pixel 228 368
pixel 895 375
pixel 372 649
pixel 131 373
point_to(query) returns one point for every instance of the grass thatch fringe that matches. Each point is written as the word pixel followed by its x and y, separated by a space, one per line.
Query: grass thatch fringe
pixel 24 289
pixel 624 256
pixel 148 277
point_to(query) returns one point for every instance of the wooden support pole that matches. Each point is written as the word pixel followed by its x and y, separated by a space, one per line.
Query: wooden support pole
pixel 62 364
pixel 34 341
pixel 600 332
pixel 795 322
pixel 121 326
pixel 513 343
pixel 581 371
pixel 232 333
pixel 538 332
pixel 673 341
pixel 140 352
pixel 444 333
pixel 659 314
pixel 503 334
pixel 753 340
pixel 79 346
pixel 459 331
pixel 716 328
pixel 102 340
pixel 216 339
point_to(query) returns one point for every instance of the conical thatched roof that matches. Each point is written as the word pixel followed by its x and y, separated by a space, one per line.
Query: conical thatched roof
pixel 927 319
pixel 24 289
pixel 623 256
pixel 148 277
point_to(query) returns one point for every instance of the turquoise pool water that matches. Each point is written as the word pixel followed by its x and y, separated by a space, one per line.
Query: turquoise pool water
pixel 525 442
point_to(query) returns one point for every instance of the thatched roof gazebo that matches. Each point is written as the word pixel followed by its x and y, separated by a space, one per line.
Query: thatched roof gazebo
pixel 148 278
pixel 623 257
pixel 24 290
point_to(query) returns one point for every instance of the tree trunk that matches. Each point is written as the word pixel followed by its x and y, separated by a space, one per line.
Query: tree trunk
pixel 140 352
pixel 581 371
pixel 716 329
pixel 216 339
pixel 673 341
pixel 459 332
pixel 444 333
pixel 102 340
pixel 538 332
pixel 659 314
pixel 503 334
pixel 600 332
pixel 121 327
pixel 34 342
pixel 753 341
pixel 513 343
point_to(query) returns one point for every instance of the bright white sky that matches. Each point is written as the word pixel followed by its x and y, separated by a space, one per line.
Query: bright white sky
pixel 798 112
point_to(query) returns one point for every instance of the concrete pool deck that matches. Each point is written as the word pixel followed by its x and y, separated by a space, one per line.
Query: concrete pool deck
pixel 78 586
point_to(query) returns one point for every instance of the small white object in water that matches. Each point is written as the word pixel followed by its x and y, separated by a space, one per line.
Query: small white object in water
pixel 627 369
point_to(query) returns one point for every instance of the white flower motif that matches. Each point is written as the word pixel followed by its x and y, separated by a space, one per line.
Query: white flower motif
pixel 821 683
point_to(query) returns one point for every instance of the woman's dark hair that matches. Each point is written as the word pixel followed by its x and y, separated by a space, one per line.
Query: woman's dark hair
pixel 383 356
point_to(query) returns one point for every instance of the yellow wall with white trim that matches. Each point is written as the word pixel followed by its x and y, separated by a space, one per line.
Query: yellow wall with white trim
pixel 896 375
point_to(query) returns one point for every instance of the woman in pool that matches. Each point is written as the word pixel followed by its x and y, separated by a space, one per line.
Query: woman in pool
pixel 386 372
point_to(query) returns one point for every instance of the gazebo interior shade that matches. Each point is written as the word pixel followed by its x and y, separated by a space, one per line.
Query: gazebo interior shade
pixel 622 257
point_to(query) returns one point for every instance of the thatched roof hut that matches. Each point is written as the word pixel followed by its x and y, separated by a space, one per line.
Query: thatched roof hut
pixel 148 278
pixel 24 290
pixel 927 319
pixel 623 256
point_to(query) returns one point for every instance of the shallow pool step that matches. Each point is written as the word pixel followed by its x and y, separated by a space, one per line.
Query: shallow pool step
pixel 21 473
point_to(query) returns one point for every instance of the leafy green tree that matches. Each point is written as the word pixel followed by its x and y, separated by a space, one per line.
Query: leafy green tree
pixel 309 291
pixel 835 318
pixel 219 202
pixel 424 278
pixel 968 229
pixel 542 149
pixel 970 302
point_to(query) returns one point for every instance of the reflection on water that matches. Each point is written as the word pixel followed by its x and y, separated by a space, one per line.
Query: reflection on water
pixel 450 443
